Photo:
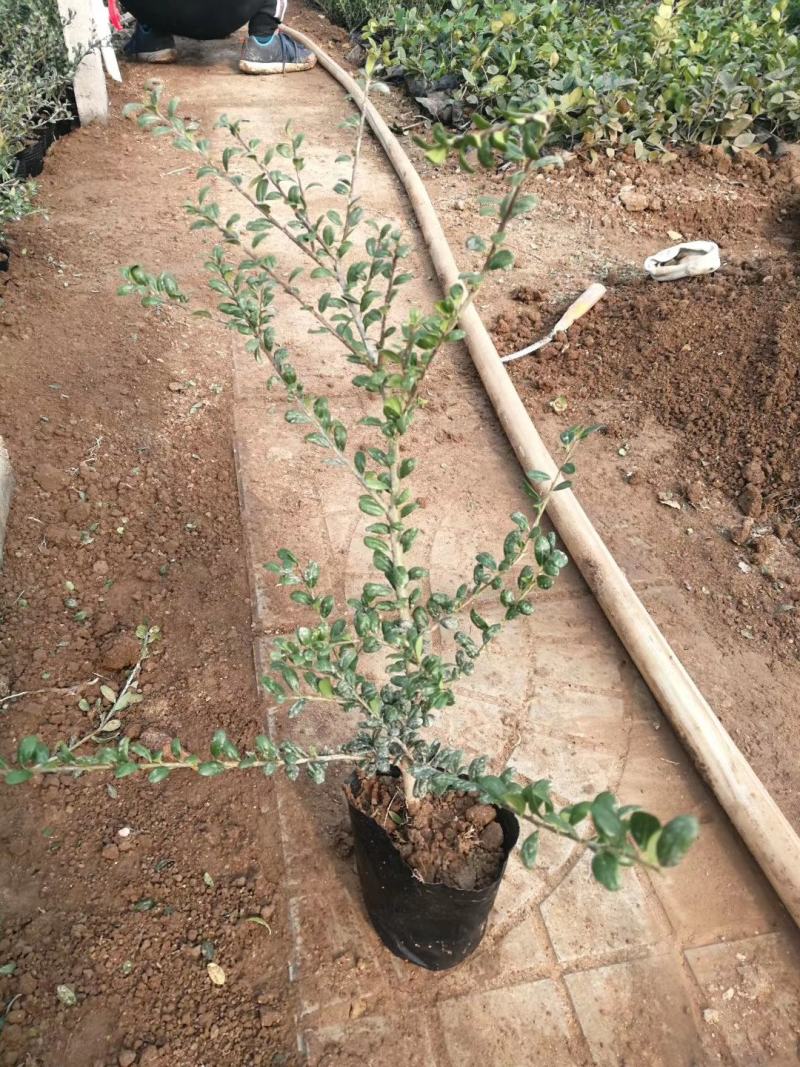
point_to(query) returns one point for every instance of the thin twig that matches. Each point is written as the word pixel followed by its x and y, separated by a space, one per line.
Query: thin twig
pixel 50 689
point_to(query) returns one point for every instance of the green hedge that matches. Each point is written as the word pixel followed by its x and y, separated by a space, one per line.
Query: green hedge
pixel 650 74
pixel 35 74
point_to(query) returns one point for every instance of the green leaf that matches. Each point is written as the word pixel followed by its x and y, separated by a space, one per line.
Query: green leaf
pixel 578 812
pixel 537 793
pixel 514 799
pixel 291 678
pixel 676 839
pixel 643 826
pixel 370 506
pixel 26 751
pixel 296 708
pixel 123 770
pixel 158 774
pixel 128 698
pixel 605 868
pixel 530 849
pixel 317 439
pixel 436 155
pixel 541 549
pixel 493 786
pixel 211 768
pixel 501 260
pixel 605 817
pixel 8 968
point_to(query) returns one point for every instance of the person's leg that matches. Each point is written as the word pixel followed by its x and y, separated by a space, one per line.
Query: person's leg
pixel 267 19
pixel 267 50
pixel 151 45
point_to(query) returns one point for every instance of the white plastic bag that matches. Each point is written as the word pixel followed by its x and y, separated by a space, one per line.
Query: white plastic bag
pixel 686 260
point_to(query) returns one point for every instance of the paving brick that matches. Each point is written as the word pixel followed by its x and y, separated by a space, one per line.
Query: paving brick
pixel 512 951
pixel 585 921
pixel 576 738
pixel 525 947
pixel 718 890
pixel 577 767
pixel 374 1039
pixel 519 891
pixel 560 683
pixel 752 997
pixel 521 1024
pixel 637 1014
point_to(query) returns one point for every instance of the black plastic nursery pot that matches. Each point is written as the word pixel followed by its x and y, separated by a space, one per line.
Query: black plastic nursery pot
pixel 30 161
pixel 433 926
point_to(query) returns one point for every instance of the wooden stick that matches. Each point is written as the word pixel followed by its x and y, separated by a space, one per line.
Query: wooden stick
pixel 760 822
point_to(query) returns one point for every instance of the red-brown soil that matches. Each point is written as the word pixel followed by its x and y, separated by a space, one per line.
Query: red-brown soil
pixel 689 429
pixel 713 363
pixel 714 359
pixel 698 475
pixel 119 429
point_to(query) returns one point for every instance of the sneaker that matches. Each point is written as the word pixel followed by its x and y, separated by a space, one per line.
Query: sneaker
pixel 148 45
pixel 278 54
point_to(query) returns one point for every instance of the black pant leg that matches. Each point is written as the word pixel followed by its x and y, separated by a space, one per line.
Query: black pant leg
pixel 268 18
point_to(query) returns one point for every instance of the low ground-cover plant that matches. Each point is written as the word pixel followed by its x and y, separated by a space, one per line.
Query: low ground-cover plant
pixel 623 72
pixel 355 14
pixel 36 72
pixel 390 658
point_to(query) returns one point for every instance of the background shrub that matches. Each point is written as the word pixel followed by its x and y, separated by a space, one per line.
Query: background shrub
pixel 36 73
pixel 354 14
pixel 615 73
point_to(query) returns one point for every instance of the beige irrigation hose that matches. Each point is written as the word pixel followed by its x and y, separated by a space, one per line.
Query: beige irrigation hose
pixel 741 793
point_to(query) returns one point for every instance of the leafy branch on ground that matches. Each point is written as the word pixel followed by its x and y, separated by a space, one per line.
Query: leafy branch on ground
pixel 650 75
pixel 391 657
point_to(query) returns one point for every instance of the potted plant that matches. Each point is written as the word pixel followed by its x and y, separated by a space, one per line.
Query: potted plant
pixel 433 830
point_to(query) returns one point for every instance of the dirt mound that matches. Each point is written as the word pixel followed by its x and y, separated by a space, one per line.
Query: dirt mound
pixel 714 358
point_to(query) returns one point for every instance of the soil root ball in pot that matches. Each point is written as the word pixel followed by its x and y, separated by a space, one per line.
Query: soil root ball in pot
pixel 429 881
